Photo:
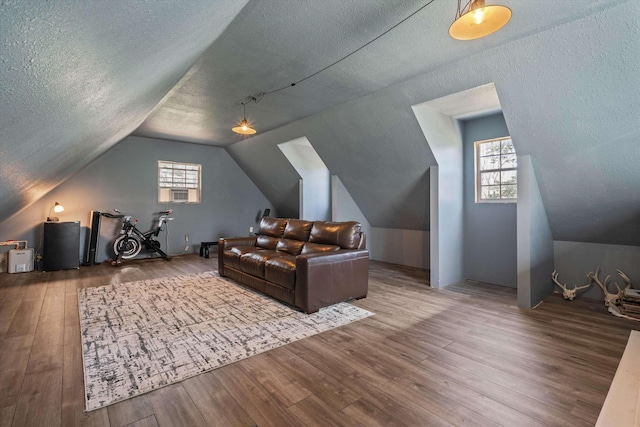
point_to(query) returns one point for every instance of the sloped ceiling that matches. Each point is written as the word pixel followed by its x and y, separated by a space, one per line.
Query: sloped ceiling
pixel 565 73
pixel 276 42
pixel 77 77
pixel 569 96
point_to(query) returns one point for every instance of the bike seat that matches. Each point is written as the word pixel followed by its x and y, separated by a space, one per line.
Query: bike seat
pixel 169 212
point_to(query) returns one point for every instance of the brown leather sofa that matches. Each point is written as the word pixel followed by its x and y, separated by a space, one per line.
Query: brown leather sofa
pixel 308 264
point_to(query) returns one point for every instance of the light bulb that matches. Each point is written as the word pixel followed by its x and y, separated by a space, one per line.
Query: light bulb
pixel 244 128
pixel 478 16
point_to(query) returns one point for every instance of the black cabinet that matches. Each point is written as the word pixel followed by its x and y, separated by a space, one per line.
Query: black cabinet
pixel 61 246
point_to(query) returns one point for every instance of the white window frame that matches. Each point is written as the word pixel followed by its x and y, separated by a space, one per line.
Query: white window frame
pixel 188 183
pixel 477 164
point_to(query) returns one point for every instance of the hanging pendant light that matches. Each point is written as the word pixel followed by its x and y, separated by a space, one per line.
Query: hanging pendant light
pixel 243 128
pixel 475 20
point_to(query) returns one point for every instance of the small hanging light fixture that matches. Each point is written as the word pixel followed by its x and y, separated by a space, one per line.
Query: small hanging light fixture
pixel 475 20
pixel 243 128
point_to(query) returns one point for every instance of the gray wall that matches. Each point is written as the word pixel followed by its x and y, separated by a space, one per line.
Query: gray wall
pixel 316 180
pixel 373 144
pixel 344 208
pixel 398 246
pixel 446 192
pixel 569 96
pixel 573 260
pixel 535 240
pixel 126 177
pixel 393 245
pixel 489 228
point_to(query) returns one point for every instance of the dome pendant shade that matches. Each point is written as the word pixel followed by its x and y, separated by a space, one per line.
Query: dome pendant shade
pixel 479 20
pixel 244 128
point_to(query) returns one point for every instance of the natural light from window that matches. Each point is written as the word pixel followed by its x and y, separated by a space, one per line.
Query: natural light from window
pixel 178 182
pixel 496 171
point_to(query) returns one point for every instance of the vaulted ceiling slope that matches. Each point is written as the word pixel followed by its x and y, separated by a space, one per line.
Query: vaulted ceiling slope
pixel 569 96
pixel 77 77
pixel 273 43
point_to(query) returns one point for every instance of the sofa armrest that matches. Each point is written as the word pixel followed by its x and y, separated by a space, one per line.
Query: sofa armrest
pixel 237 241
pixel 326 278
pixel 227 243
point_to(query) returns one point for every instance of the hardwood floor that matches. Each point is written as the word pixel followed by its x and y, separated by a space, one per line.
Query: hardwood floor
pixel 464 355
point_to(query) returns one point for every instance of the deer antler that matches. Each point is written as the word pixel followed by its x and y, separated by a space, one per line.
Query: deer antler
pixel 594 277
pixel 569 294
pixel 610 299
pixel 626 279
pixel 554 277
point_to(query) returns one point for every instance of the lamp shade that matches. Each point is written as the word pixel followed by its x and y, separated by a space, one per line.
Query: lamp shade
pixel 479 21
pixel 244 128
pixel 57 207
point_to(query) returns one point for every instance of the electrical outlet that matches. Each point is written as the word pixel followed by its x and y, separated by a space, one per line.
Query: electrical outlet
pixel 250 229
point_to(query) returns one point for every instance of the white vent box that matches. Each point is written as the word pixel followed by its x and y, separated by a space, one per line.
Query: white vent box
pixel 20 260
pixel 178 195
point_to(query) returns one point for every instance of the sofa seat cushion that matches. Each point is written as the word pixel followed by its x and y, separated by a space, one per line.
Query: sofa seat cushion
pixel 232 255
pixel 281 271
pixel 253 262
pixel 241 250
pixel 290 246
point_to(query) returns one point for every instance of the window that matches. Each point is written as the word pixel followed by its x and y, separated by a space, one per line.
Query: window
pixel 178 182
pixel 496 171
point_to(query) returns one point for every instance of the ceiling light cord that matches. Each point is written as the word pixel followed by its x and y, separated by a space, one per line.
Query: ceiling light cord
pixel 460 8
pixel 253 98
pixel 257 98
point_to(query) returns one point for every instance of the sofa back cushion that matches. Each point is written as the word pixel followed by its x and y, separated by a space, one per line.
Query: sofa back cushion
pixel 273 227
pixel 267 242
pixel 298 229
pixel 347 235
pixel 312 248
pixel 293 247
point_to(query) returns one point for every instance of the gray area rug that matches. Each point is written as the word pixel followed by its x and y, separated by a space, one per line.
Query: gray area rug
pixel 140 336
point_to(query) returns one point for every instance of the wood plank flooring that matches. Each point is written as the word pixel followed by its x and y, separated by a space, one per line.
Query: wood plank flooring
pixel 464 355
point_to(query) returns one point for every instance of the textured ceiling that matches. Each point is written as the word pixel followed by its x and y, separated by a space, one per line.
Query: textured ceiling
pixel 76 77
pixel 273 43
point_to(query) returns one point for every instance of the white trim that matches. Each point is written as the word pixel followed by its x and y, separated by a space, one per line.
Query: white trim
pixel 168 193
pixel 477 172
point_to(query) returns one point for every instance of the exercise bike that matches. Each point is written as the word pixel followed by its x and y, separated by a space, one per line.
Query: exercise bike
pixel 131 240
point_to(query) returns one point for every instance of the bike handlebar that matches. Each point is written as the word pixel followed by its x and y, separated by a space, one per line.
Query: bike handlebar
pixel 120 215
pixel 110 215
